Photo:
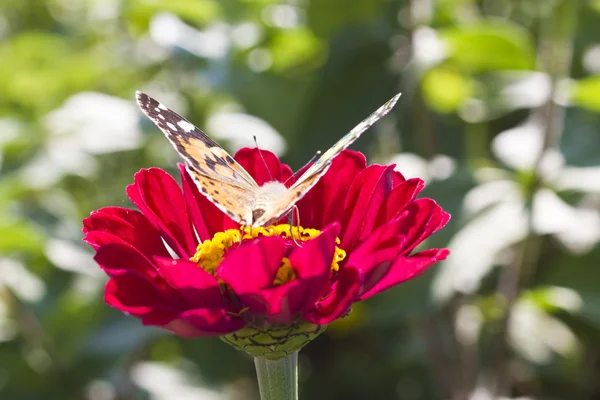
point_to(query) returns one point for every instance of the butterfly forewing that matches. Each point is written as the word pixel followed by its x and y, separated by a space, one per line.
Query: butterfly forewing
pixel 311 176
pixel 324 161
pixel 201 153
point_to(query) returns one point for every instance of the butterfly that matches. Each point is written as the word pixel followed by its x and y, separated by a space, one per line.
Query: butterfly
pixel 226 183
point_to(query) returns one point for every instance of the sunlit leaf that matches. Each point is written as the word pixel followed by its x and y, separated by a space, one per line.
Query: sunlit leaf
pixel 489 45
pixel 19 236
pixel 446 90
pixel 198 11
pixel 43 69
pixel 584 93
pixel 326 17
pixel 296 48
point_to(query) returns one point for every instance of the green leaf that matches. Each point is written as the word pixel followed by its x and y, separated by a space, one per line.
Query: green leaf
pixel 584 93
pixel 19 236
pixel 326 17
pixel 489 45
pixel 43 69
pixel 446 90
pixel 294 48
pixel 197 11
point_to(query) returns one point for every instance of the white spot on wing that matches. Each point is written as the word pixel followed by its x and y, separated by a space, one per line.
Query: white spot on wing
pixel 161 116
pixel 171 126
pixel 161 106
pixel 186 126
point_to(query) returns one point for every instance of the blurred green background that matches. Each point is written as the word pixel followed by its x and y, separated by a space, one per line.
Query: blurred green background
pixel 500 115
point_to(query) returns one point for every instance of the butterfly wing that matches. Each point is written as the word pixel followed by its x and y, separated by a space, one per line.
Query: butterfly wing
pixel 234 201
pixel 320 166
pixel 281 205
pixel 216 173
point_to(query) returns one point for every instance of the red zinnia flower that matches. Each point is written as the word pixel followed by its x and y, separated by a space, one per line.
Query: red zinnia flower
pixel 178 262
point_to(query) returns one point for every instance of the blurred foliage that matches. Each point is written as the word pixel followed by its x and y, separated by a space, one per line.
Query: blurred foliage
pixel 499 115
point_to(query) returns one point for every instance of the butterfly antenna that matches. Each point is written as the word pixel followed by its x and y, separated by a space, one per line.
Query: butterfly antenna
pixel 262 158
pixel 313 158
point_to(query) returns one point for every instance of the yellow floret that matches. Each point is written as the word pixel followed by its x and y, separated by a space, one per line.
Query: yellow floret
pixel 211 252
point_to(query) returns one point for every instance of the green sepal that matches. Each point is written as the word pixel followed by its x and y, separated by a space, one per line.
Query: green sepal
pixel 276 341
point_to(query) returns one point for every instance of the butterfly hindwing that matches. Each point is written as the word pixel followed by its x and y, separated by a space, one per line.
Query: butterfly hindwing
pixel 232 200
pixel 201 153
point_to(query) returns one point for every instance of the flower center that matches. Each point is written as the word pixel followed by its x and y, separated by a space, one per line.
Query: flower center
pixel 210 253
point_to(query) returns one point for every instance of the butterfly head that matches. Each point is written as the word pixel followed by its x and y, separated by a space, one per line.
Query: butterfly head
pixel 265 200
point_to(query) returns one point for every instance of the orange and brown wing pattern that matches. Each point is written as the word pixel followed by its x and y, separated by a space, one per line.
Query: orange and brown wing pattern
pixel 236 202
pixel 201 153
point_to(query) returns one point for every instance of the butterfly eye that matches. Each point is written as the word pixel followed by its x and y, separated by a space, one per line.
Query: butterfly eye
pixel 257 213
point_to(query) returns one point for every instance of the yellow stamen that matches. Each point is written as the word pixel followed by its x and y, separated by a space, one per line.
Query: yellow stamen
pixel 285 273
pixel 211 252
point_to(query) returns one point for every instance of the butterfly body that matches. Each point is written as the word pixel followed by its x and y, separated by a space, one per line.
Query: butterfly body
pixel 263 200
pixel 226 183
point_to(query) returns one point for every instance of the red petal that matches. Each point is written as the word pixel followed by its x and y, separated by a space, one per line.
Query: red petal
pixel 251 269
pixel 204 322
pixel 364 198
pixel 96 239
pixel 312 265
pixel 344 292
pixel 181 297
pixel 398 178
pixel 253 265
pixel 199 288
pixel 160 199
pixel 405 268
pixel 322 204
pixel 104 227
pixel 398 198
pixel 132 217
pixel 135 294
pixel 374 256
pixel 419 220
pixel 118 259
pixel 158 318
pixel 262 165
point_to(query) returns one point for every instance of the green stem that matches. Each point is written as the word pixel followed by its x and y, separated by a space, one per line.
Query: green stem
pixel 278 379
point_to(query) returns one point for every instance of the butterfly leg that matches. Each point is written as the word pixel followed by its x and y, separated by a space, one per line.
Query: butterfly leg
pixel 242 232
pixel 295 212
